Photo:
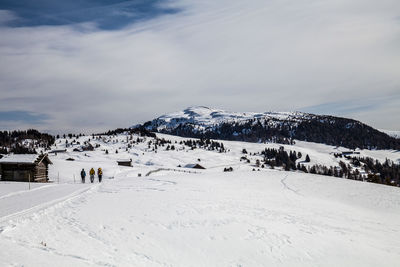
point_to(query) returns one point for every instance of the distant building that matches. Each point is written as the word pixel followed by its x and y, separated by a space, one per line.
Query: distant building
pixel 25 167
pixel 194 166
pixel 124 162
pixel 86 147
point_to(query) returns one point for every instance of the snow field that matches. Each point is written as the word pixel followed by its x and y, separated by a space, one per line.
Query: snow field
pixel 207 218
pixel 252 219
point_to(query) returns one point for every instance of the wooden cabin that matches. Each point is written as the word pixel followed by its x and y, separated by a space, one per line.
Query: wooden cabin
pixel 25 167
pixel 124 162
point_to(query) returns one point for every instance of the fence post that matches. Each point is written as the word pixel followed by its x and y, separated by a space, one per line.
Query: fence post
pixel 29 178
pixel 74 177
pixel 58 177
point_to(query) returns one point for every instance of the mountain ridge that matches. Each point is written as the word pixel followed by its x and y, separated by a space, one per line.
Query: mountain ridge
pixel 272 126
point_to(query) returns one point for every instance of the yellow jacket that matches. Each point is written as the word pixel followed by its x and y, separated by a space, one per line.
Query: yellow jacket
pixel 92 172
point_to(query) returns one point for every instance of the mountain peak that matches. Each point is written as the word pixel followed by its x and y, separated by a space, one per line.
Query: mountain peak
pixel 195 111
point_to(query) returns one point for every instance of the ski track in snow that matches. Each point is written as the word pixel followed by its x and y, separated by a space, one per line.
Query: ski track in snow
pixel 41 197
pixel 285 185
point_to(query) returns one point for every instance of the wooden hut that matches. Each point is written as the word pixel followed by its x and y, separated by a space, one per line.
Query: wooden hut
pixel 25 167
pixel 125 162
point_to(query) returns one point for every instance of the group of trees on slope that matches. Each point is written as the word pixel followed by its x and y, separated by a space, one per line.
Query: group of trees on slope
pixel 24 142
pixel 373 170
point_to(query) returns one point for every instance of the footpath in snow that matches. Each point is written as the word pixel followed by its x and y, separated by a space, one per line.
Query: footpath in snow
pixel 40 196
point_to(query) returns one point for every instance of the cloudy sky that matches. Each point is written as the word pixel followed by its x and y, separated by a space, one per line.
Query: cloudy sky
pixel 88 66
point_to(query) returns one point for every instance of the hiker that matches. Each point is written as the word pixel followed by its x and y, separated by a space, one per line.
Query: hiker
pixel 92 172
pixel 83 175
pixel 100 174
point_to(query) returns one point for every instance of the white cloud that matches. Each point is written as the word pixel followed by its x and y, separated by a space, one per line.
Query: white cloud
pixel 6 17
pixel 239 55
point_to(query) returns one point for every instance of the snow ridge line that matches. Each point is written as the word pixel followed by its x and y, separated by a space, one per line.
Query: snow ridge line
pixel 44 206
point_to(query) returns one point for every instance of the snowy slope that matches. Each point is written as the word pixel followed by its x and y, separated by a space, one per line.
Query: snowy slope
pixel 203 218
pixel 145 159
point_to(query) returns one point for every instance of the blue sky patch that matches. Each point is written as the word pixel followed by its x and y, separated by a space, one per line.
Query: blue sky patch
pixel 107 14
pixel 22 116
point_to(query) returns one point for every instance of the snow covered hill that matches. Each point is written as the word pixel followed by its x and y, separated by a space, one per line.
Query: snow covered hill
pixel 281 127
pixel 205 118
pixel 160 213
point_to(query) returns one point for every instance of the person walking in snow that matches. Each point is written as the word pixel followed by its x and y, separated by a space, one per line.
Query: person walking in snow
pixel 100 174
pixel 83 175
pixel 92 173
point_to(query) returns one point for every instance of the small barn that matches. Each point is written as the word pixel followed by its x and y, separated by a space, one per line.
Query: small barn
pixel 194 166
pixel 125 162
pixel 25 167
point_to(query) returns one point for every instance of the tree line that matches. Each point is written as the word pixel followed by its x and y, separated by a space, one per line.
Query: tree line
pixel 24 142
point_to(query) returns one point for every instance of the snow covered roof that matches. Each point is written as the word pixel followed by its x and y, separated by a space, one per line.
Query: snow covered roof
pixel 124 160
pixel 23 158
pixel 20 158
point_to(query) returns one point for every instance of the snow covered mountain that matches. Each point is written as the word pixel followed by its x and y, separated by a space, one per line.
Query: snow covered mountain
pixel 207 118
pixel 280 127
